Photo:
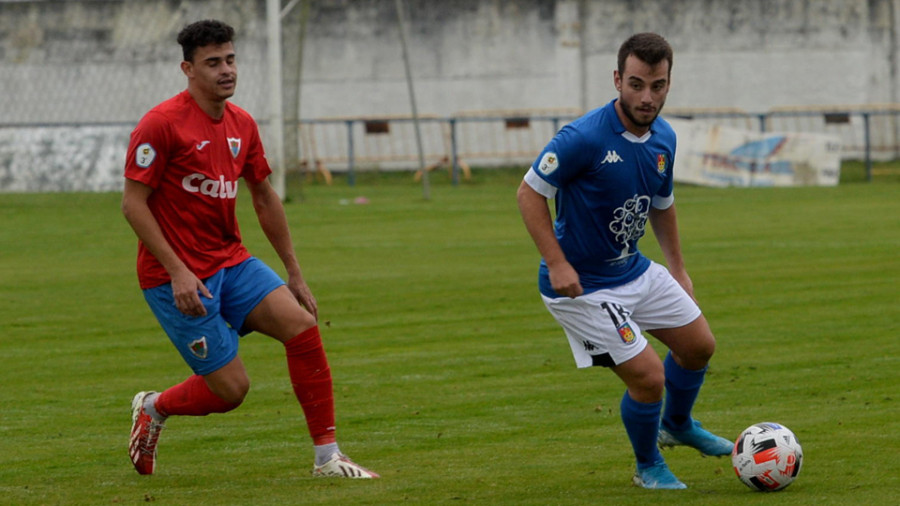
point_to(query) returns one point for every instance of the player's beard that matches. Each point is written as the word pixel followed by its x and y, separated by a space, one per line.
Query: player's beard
pixel 226 93
pixel 626 110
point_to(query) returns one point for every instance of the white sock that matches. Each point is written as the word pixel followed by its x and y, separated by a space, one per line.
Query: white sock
pixel 325 452
pixel 150 408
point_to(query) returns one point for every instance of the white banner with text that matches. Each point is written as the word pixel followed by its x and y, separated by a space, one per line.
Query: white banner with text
pixel 715 155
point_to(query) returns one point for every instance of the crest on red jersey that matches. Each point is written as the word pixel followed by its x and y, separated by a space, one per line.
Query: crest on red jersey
pixel 234 143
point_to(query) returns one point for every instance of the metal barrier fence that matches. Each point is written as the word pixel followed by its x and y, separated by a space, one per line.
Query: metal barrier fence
pixel 352 144
pixel 88 156
pixel 504 138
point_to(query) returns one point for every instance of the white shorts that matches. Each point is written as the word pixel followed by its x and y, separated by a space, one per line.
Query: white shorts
pixel 604 327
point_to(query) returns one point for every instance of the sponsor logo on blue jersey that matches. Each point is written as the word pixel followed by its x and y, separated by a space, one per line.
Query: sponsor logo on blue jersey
pixel 612 157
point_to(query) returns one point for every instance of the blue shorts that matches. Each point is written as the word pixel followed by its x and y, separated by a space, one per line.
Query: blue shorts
pixel 207 343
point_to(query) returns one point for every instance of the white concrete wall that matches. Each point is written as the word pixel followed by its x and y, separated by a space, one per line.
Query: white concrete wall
pixel 109 61
pixel 527 54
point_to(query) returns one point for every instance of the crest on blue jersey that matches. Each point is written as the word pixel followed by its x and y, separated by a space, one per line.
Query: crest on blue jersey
pixel 234 144
pixel 661 163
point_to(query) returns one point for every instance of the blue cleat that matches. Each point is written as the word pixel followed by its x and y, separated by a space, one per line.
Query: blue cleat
pixel 657 476
pixel 696 437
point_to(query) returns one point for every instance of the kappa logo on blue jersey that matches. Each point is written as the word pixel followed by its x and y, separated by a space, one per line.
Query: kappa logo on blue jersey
pixel 612 157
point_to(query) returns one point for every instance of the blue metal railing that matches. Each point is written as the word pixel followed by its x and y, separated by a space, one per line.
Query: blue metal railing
pixel 489 139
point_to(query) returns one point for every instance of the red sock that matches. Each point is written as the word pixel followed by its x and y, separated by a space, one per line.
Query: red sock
pixel 192 397
pixel 311 379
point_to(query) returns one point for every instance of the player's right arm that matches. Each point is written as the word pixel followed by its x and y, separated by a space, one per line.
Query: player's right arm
pixel 537 189
pixel 536 215
pixel 145 163
pixel 185 283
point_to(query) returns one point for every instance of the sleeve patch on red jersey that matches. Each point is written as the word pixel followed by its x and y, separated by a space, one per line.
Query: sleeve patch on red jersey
pixel 144 155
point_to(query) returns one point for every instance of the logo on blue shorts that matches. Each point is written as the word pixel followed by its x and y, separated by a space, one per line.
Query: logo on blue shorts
pixel 198 348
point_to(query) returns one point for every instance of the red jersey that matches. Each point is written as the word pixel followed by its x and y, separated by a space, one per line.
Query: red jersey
pixel 193 164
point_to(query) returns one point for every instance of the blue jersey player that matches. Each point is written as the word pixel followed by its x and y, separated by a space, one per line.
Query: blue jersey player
pixel 609 174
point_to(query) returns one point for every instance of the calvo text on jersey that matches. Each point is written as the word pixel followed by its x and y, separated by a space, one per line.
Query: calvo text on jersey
pixel 216 188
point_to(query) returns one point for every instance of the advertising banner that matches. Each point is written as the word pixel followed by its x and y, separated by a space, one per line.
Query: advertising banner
pixel 714 155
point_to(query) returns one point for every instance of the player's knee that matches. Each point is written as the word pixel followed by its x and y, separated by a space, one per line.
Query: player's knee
pixel 655 385
pixel 235 391
pixel 647 387
pixel 295 323
pixel 705 350
pixel 698 356
pixel 306 321
pixel 644 375
pixel 234 399
pixel 646 394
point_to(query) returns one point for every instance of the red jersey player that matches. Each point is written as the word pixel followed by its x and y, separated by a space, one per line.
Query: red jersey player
pixel 182 171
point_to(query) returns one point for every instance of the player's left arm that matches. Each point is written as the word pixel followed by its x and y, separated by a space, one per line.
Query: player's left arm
pixel 272 219
pixel 665 228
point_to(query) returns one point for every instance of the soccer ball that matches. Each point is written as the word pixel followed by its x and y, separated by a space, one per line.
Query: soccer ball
pixel 767 457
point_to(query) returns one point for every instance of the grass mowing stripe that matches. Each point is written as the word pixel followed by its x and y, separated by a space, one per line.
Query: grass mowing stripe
pixel 450 377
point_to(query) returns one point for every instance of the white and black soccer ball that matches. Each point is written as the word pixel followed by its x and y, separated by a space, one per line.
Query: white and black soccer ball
pixel 767 457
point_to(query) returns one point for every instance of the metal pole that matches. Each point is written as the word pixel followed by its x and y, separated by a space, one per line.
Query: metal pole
pixel 276 114
pixel 401 19
pixel 351 163
pixel 582 54
pixel 288 8
pixel 293 33
pixel 868 140
pixel 453 152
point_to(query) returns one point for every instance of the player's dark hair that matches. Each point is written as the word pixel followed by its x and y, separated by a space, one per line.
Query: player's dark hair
pixel 203 33
pixel 650 48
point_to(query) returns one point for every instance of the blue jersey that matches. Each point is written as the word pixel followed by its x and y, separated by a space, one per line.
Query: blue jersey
pixel 606 179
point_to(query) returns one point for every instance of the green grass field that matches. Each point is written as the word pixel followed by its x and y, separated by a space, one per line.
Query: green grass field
pixel 451 379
